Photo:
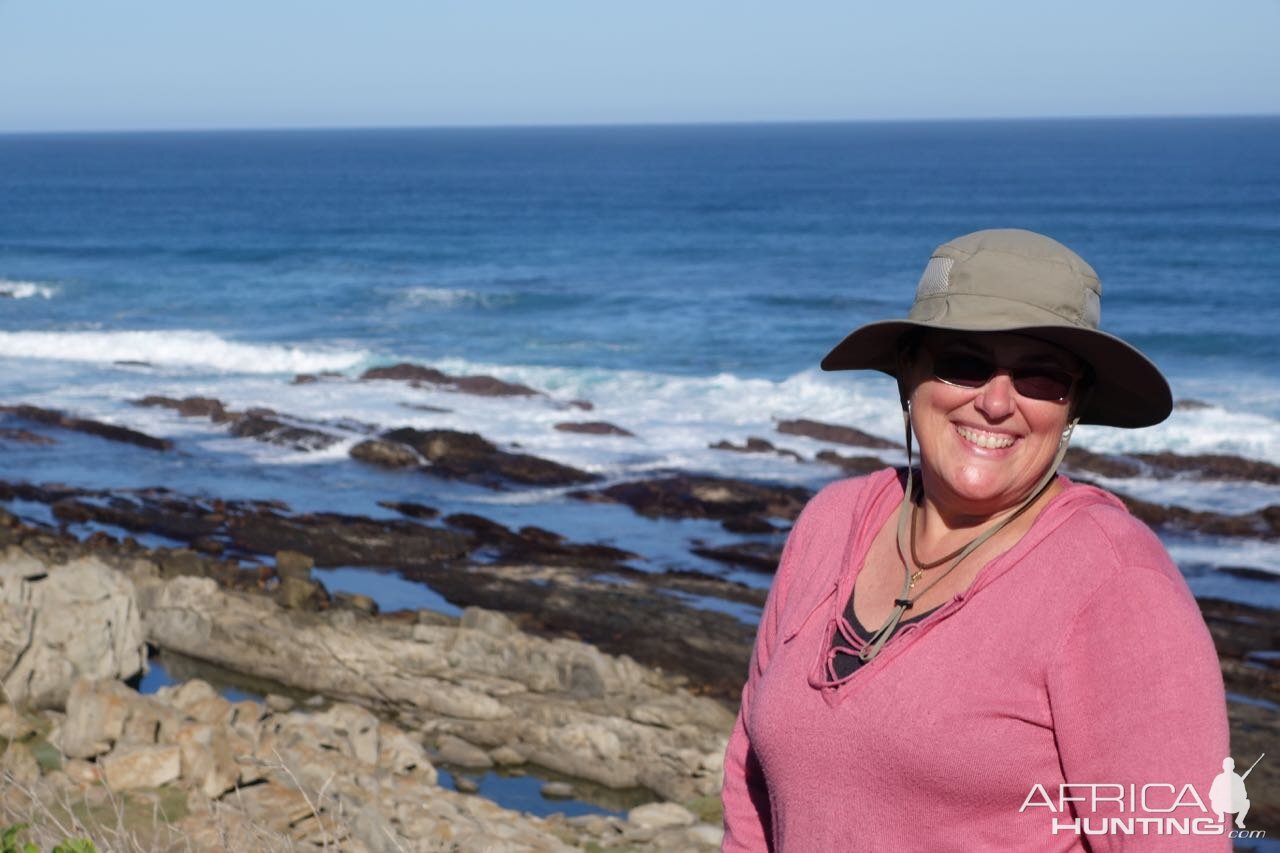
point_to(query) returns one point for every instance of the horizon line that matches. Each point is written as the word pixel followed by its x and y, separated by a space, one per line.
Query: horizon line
pixel 553 125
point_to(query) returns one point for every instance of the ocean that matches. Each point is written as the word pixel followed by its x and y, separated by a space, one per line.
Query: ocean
pixel 684 279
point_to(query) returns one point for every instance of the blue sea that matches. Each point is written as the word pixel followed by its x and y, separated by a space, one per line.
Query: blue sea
pixel 684 279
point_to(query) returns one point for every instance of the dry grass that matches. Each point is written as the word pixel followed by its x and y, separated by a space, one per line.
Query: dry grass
pixel 53 811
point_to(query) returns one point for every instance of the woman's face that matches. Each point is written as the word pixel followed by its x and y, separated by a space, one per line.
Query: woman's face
pixel 983 449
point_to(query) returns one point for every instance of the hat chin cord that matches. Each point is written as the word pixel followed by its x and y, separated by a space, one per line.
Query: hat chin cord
pixel 904 602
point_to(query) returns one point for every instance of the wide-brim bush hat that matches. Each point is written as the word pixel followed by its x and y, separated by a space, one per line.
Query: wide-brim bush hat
pixel 1010 280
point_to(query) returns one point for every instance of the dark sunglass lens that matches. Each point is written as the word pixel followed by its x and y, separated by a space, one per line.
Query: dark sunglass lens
pixel 964 370
pixel 1043 384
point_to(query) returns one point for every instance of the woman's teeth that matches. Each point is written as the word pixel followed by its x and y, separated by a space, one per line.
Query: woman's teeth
pixel 988 440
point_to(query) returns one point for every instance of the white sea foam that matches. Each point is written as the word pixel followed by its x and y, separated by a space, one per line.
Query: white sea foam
pixel 177 348
pixel 454 297
pixel 25 289
pixel 1212 430
pixel 673 418
pixel 1211 551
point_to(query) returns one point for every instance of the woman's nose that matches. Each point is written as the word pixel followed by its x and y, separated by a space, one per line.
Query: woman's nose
pixel 996 398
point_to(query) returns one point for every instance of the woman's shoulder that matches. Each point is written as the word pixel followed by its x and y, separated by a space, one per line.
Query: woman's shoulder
pixel 1095 520
pixel 823 526
pixel 843 495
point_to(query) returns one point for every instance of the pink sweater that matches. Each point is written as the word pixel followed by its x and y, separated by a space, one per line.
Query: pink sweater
pixel 1078 656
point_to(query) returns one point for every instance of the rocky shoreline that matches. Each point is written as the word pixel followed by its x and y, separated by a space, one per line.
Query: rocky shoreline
pixel 395 696
pixel 566 656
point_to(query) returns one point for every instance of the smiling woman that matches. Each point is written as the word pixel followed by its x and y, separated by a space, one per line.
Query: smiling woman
pixel 987 433
pixel 939 643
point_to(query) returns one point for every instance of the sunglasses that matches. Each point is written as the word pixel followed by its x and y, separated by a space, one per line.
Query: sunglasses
pixel 965 370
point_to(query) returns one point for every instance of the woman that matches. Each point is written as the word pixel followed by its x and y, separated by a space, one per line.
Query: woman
pixel 949 656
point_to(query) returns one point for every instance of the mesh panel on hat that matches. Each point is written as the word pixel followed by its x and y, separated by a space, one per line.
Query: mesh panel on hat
pixel 936 278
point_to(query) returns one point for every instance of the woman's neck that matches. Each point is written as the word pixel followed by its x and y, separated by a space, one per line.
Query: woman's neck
pixel 943 523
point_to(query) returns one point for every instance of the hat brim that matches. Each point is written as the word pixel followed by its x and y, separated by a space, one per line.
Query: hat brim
pixel 1128 390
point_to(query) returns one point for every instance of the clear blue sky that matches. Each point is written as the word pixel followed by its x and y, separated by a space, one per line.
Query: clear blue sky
pixel 148 64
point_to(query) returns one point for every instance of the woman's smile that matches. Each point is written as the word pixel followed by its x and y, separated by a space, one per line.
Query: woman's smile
pixel 985 439
pixel 984 448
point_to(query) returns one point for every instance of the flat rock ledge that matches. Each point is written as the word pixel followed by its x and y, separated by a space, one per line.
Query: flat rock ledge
pixel 557 703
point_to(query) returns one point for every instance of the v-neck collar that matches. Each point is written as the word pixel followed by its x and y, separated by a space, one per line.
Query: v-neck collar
pixel 878 510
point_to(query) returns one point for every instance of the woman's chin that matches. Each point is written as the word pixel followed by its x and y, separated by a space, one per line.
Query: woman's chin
pixel 981 491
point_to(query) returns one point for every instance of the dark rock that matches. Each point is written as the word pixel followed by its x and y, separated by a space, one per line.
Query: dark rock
pixel 593 428
pixel 111 432
pixel 584 405
pixel 25 436
pixel 305 379
pixel 703 497
pixel 835 434
pixel 1213 466
pixel 188 407
pixel 1079 459
pixel 715 586
pixel 755 445
pixel 467 456
pixel 483 528
pixel 420 407
pixel 1261 524
pixel 1187 404
pixel 541 536
pixel 338 540
pixel 854 466
pixel 170 518
pixel 486 386
pixel 406 372
pixel 266 428
pixel 1250 573
pixel 209 545
pixel 535 545
pixel 748 524
pixel 761 556
pixel 412 510
pixel 388 454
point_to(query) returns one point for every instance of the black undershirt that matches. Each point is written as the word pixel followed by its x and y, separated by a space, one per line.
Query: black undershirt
pixel 846 661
